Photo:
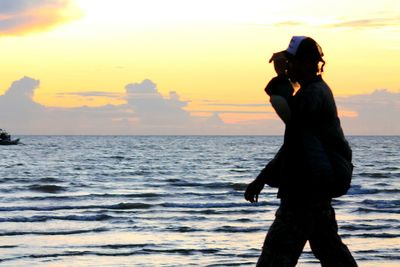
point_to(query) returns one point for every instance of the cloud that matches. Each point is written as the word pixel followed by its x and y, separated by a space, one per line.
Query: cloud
pixel 289 23
pixel 152 108
pixel 147 111
pixel 20 114
pixel 367 23
pixel 281 23
pixel 90 94
pixel 373 114
pixel 234 105
pixel 18 98
pixel 18 17
pixel 233 111
pixel 361 23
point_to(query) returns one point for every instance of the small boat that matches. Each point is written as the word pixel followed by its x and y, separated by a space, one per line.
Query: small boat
pixel 5 139
pixel 9 142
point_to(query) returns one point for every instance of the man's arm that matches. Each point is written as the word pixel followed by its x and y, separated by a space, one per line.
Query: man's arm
pixel 281 107
pixel 270 175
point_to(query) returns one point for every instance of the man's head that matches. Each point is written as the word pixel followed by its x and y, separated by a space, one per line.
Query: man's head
pixel 304 56
pixel 304 48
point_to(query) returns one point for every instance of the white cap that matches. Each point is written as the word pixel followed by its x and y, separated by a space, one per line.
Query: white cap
pixel 294 44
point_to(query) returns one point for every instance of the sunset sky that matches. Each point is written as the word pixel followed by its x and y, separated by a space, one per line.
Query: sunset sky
pixel 200 61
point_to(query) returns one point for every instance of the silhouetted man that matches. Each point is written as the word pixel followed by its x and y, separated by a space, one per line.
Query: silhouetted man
pixel 302 169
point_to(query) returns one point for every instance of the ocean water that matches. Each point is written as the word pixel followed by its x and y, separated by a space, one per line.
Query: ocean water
pixel 173 201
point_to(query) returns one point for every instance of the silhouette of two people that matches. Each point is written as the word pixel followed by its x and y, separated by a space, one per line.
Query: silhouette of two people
pixel 302 169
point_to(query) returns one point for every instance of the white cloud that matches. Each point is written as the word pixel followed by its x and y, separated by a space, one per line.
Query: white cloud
pixel 17 105
pixel 90 94
pixel 348 23
pixel 20 114
pixel 147 111
pixel 377 113
pixel 367 23
pixel 152 108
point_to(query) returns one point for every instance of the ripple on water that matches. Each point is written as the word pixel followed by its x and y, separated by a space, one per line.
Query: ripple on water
pixel 47 188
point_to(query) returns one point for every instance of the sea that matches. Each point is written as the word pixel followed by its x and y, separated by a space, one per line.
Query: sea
pixel 174 201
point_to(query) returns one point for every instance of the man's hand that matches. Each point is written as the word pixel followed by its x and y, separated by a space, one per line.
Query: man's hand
pixel 280 62
pixel 253 190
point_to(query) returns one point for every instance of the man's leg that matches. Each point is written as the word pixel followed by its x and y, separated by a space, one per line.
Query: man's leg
pixel 284 242
pixel 326 243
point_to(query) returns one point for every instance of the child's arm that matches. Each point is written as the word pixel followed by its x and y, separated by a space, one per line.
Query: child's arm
pixel 280 91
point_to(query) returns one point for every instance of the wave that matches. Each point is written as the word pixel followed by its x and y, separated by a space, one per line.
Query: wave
pixel 381 256
pixel 236 229
pixel 382 204
pixel 87 218
pixel 212 185
pixel 238 170
pixel 13 165
pixel 47 188
pixel 238 186
pixel 375 174
pixel 390 191
pixel 90 196
pixel 390 168
pixel 129 206
pixel 115 157
pixel 184 252
pixel 368 227
pixel 52 233
pixel 134 195
pixel 50 180
pixel 377 210
pixel 371 235
pixel 122 246
pixel 120 206
pixel 182 229
pixel 358 190
pixel 211 205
